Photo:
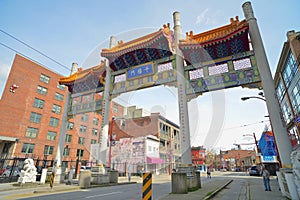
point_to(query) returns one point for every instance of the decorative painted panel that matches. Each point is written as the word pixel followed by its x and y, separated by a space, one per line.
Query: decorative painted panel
pixel 236 71
pixel 149 74
pixel 84 104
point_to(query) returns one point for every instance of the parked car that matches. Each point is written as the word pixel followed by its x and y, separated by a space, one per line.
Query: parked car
pixel 82 168
pixel 254 171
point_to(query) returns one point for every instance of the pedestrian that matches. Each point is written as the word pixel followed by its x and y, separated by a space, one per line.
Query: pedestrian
pixel 129 172
pixel 208 173
pixel 266 178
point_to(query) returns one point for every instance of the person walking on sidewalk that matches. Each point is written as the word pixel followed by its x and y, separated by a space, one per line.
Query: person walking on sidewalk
pixel 208 173
pixel 266 178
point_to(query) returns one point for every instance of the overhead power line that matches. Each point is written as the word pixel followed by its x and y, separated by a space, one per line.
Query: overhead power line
pixel 43 54
pixel 20 53
pixel 245 125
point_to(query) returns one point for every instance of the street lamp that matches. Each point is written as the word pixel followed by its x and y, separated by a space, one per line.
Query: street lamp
pixel 252 97
pixel 255 97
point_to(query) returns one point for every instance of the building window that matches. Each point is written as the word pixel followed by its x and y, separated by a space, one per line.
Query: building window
pixel 279 90
pixel 115 109
pixel 290 69
pixel 44 78
pixel 27 148
pixel 96 121
pixel 61 87
pixel 59 97
pixel 54 122
pixel 41 90
pixel 93 141
pixel 66 151
pixel 51 135
pixel 94 131
pixel 79 153
pixel 296 98
pixel 122 124
pixel 56 109
pixel 70 126
pixel 81 140
pixel 84 118
pixel 68 138
pixel 31 132
pixel 38 103
pixel 35 117
pixel 48 150
pixel 286 111
pixel 82 129
pixel 149 148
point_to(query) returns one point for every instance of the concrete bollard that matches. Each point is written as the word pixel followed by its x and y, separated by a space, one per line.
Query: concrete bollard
pixel 113 176
pixel 192 183
pixel 179 183
pixel 70 176
pixel 291 185
pixel 43 176
pixel 198 177
pixel 85 179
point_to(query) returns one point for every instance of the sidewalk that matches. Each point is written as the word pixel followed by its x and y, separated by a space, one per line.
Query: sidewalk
pixel 253 190
pixel 257 190
pixel 206 192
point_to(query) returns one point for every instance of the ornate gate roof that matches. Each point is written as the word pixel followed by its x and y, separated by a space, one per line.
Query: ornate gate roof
pixel 141 50
pixel 217 43
pixel 91 79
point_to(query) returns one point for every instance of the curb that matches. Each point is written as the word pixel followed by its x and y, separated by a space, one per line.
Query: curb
pixel 55 190
pixel 79 188
pixel 217 190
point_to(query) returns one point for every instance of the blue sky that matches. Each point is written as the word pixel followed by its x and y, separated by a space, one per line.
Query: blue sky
pixel 75 31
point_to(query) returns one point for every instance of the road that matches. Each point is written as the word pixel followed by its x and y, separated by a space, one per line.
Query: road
pixel 240 189
pixel 128 191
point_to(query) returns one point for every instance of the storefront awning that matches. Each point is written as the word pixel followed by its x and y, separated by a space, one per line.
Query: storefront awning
pixel 154 160
pixel 6 138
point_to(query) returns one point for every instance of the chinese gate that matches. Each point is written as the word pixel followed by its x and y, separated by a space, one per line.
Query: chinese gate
pixel 213 60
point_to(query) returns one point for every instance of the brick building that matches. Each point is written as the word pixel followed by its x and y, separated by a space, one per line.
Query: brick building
pixel 31 114
pixel 31 111
pixel 235 160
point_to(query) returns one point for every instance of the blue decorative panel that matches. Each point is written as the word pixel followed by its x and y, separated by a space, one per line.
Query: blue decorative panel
pixel 140 71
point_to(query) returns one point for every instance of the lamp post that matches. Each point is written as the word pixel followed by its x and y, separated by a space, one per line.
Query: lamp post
pixel 263 99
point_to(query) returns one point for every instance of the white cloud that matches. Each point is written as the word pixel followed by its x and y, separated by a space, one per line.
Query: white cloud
pixel 202 17
pixel 209 19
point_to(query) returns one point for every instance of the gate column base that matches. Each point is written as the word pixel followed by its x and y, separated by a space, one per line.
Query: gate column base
pixel 179 183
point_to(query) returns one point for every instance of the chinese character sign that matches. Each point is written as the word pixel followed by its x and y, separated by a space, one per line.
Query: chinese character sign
pixel 142 70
